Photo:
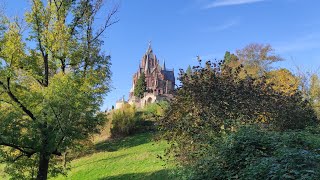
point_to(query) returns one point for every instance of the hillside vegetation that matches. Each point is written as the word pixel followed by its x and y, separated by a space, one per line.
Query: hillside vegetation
pixel 130 158
pixel 134 157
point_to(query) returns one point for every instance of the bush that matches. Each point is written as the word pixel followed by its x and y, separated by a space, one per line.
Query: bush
pixel 155 110
pixel 204 118
pixel 212 101
pixel 124 121
pixel 253 153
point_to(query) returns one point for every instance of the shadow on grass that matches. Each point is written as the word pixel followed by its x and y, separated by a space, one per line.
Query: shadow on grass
pixel 127 142
pixel 158 175
pixel 105 159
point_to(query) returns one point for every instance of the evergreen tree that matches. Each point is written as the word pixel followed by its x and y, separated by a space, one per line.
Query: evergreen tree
pixel 140 86
pixel 189 71
pixel 227 57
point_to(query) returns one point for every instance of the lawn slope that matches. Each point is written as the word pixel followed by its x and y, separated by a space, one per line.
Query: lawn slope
pixel 130 158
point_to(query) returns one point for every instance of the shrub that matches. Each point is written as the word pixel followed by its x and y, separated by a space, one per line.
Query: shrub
pixel 203 121
pixel 155 109
pixel 124 121
pixel 253 153
pixel 212 101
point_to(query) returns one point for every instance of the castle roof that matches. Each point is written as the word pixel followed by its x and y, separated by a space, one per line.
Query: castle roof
pixel 150 64
pixel 168 75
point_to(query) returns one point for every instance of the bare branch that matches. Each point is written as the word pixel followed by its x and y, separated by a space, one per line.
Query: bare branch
pixel 109 21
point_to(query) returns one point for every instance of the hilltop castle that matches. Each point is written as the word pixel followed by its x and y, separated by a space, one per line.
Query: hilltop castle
pixel 160 81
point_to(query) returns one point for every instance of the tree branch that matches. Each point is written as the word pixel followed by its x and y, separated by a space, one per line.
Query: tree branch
pixel 108 22
pixel 44 54
pixel 16 100
pixel 78 18
pixel 19 148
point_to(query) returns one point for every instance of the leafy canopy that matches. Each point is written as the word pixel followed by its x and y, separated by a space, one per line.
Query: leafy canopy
pixel 51 84
pixel 215 100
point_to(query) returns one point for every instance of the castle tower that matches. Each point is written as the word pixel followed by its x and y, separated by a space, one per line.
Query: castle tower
pixel 160 81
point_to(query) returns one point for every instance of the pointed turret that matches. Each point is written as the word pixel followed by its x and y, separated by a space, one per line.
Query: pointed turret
pixel 164 65
pixel 149 50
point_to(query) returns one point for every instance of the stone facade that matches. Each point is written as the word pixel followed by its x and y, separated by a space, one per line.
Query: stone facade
pixel 160 81
pixel 120 103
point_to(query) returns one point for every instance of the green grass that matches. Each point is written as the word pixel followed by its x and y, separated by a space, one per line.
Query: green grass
pixel 130 158
pixel 2 174
pixel 134 157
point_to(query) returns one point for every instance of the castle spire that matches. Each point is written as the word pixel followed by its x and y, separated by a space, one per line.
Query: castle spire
pixel 164 65
pixel 146 68
pixel 149 47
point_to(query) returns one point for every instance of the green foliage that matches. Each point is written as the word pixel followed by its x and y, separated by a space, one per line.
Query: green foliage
pixel 141 86
pixel 124 121
pixel 189 70
pixel 230 58
pixel 253 153
pixel 51 85
pixel 315 94
pixel 155 109
pixel 212 103
pixel 133 157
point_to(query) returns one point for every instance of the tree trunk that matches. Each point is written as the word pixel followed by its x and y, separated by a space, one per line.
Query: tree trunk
pixel 43 167
pixel 46 71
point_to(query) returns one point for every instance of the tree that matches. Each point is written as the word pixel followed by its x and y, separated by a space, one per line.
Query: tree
pixel 51 84
pixel 230 58
pixel 257 58
pixel 315 93
pixel 283 80
pixel 189 71
pixel 214 102
pixel 140 86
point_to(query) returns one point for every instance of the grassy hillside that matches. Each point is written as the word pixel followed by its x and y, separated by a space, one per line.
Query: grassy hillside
pixel 130 158
pixel 2 175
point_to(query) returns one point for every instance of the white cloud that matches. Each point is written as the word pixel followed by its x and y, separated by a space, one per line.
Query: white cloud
pixel 222 27
pixel 307 42
pixel 219 3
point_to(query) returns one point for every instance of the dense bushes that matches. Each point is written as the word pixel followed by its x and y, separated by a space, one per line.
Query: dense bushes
pixel 124 121
pixel 129 120
pixel 155 110
pixel 207 127
pixel 254 153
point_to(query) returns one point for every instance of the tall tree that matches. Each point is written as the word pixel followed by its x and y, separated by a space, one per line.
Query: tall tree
pixel 141 86
pixel 230 58
pixel 257 58
pixel 51 84
pixel 189 71
pixel 315 93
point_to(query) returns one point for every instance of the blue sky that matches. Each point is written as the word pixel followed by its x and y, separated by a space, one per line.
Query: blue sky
pixel 182 29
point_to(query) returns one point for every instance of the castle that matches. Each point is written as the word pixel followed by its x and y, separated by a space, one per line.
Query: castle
pixel 160 81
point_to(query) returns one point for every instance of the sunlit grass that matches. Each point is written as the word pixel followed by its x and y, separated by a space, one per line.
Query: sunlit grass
pixel 130 158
